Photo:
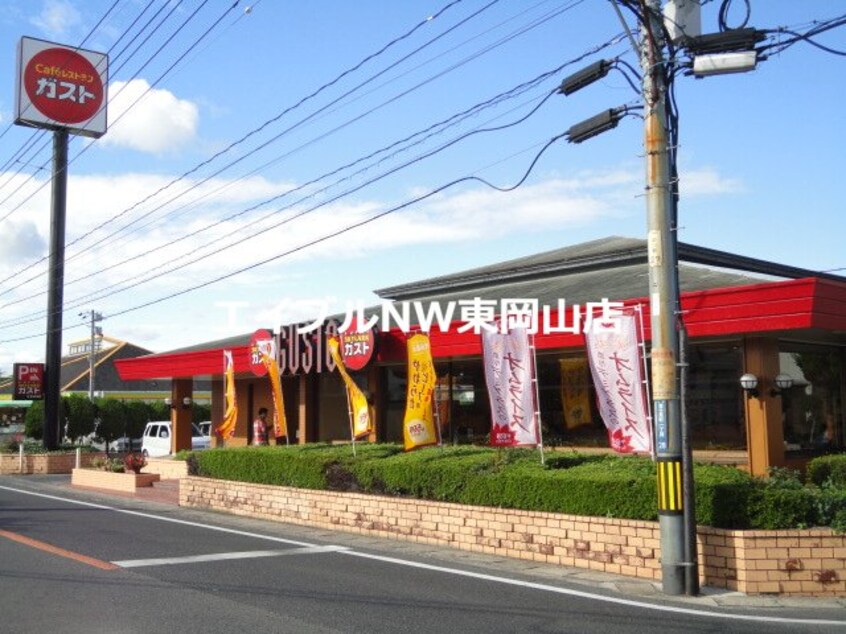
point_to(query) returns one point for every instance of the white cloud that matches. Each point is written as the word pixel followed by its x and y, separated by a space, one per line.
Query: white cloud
pixel 20 242
pixel 707 182
pixel 57 18
pixel 156 122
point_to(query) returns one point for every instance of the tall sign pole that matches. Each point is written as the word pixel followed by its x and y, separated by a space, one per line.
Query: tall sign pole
pixel 55 291
pixel 60 88
pixel 664 303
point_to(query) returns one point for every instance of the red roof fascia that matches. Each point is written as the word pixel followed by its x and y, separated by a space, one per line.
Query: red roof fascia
pixel 182 364
pixel 769 306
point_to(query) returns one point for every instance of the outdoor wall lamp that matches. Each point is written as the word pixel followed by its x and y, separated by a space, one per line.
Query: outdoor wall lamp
pixel 186 402
pixel 749 383
pixel 782 382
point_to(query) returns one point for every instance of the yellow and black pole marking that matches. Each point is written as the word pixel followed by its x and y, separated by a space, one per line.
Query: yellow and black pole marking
pixel 669 487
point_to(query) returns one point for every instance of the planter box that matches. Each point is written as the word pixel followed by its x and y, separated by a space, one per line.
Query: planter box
pixel 167 468
pixel 126 482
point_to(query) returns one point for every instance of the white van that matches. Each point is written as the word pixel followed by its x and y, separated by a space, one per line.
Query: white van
pixel 157 438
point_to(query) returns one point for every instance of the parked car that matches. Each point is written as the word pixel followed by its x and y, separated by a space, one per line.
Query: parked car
pixel 156 440
pixel 205 428
pixel 122 444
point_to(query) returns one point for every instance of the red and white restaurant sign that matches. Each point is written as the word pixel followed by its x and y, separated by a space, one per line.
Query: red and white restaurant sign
pixel 61 87
pixel 357 346
pixel 262 342
pixel 28 381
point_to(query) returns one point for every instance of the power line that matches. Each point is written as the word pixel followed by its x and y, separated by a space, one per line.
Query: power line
pixel 264 125
pixel 328 236
pixel 106 291
pixel 435 127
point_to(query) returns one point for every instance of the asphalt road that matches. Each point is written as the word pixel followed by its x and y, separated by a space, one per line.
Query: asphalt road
pixel 71 562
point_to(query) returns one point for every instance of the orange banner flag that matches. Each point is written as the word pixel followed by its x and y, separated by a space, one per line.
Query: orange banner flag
pixel 227 427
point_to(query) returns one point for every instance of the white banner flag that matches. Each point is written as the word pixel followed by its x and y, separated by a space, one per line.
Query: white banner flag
pixel 616 367
pixel 508 374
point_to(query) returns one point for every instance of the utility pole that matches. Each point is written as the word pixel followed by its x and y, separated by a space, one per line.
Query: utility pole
pixel 94 317
pixel 664 302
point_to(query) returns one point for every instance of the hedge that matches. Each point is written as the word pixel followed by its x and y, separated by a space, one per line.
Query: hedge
pixel 828 468
pixel 590 485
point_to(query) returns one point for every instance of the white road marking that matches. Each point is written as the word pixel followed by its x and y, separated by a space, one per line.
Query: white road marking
pixel 247 554
pixel 464 573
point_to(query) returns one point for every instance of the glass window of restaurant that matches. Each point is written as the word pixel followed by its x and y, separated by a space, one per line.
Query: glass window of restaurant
pixel 567 399
pixel 463 409
pixel 812 408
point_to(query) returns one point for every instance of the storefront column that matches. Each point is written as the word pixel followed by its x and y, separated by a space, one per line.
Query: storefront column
pixel 218 406
pixel 180 414
pixel 374 400
pixel 302 409
pixel 764 426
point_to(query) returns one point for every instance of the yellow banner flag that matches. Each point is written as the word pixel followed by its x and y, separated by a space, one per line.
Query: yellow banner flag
pixel 359 409
pixel 574 391
pixel 418 424
pixel 280 423
pixel 226 429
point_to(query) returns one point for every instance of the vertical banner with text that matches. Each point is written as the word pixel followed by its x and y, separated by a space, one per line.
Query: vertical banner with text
pixel 359 408
pixel 616 365
pixel 226 429
pixel 280 423
pixel 419 422
pixel 508 374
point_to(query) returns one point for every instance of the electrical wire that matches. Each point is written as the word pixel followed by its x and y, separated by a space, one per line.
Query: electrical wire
pixel 325 237
pixel 150 87
pixel 260 128
pixel 501 41
pixel 806 37
pixel 435 127
pixel 725 7
pixel 174 6
pixel 101 292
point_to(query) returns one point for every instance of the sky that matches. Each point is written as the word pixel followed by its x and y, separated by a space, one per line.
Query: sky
pixel 272 161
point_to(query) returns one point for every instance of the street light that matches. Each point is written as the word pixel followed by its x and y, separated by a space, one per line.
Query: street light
pixel 724 63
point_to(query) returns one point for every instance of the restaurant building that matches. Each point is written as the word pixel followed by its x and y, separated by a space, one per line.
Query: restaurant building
pixel 744 318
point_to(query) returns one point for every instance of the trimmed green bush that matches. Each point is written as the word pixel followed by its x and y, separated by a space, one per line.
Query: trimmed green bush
pixel 594 485
pixel 828 468
pixel 772 508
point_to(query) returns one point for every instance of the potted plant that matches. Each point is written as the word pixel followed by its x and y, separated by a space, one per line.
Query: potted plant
pixel 134 461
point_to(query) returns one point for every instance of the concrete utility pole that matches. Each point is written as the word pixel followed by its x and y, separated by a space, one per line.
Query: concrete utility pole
pixel 664 302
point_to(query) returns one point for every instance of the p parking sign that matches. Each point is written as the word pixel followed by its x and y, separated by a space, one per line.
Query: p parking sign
pixel 28 381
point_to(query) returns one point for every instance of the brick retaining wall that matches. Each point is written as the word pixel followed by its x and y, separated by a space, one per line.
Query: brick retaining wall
pixel 45 463
pixel 167 468
pixel 793 562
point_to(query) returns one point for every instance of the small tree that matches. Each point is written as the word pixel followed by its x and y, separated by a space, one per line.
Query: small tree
pixel 81 416
pixel 159 410
pixel 137 417
pixel 34 420
pixel 200 412
pixel 113 417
